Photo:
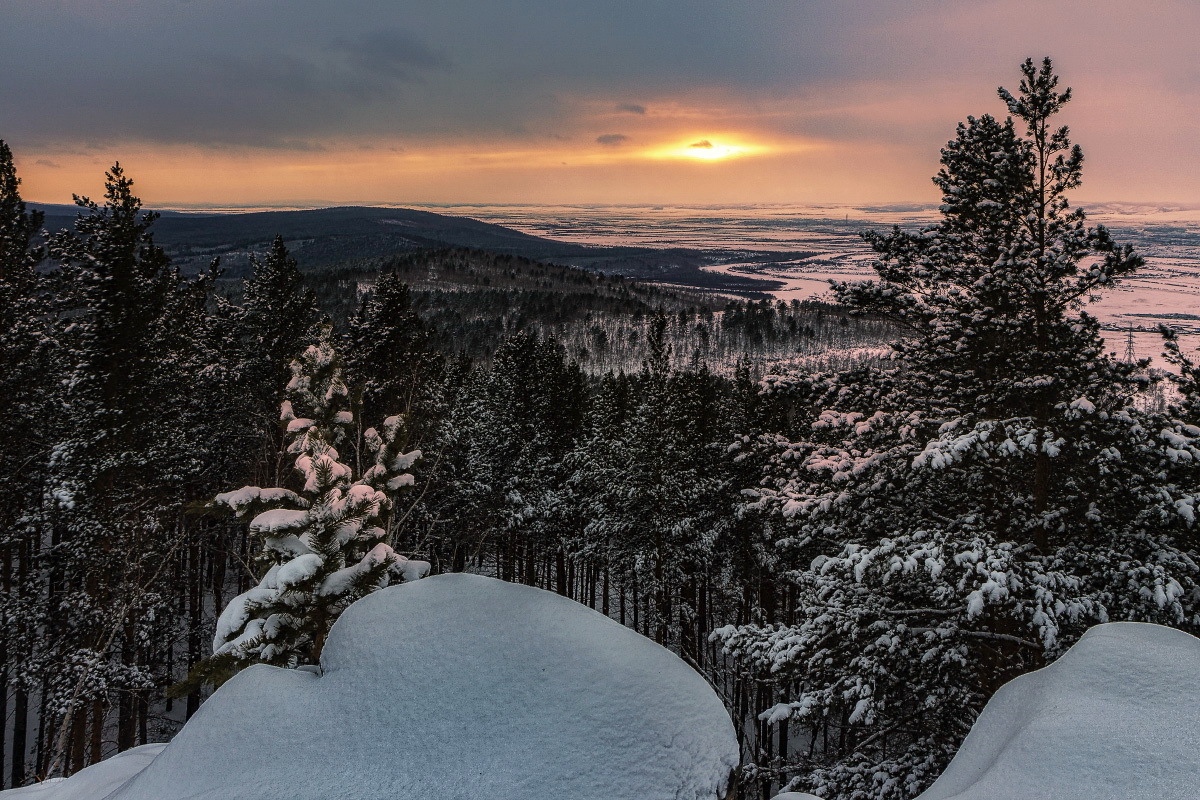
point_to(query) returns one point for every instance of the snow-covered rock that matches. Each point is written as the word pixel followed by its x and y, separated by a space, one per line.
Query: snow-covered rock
pixel 1117 717
pixel 457 687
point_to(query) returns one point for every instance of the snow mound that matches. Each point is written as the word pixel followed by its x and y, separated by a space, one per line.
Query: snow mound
pixel 92 783
pixel 1117 716
pixel 458 686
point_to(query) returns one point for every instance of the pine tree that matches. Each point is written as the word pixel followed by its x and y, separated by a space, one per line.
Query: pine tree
pixel 651 482
pixel 273 325
pixel 390 355
pixel 513 428
pixel 114 474
pixel 278 315
pixel 962 517
pixel 25 377
pixel 993 293
pixel 323 541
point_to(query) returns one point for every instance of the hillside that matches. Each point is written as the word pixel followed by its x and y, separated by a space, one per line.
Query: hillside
pixel 321 238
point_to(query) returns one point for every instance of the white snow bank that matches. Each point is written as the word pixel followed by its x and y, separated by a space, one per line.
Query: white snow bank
pixel 1117 716
pixel 92 783
pixel 458 686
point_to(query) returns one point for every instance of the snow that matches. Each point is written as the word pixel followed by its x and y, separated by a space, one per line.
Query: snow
pixel 1118 716
pixel 457 686
pixel 298 570
pixel 278 520
pixel 241 499
pixel 411 569
pixel 93 783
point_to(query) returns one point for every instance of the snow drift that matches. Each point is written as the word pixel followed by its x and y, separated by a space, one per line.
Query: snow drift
pixel 91 783
pixel 1117 716
pixel 457 686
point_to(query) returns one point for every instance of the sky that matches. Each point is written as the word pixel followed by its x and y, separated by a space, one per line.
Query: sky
pixel 681 102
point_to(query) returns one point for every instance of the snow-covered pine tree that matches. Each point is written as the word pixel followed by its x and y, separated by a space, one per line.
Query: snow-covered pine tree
pixel 390 356
pixel 323 540
pixel 513 428
pixel 652 487
pixel 1188 380
pixel 115 473
pixel 274 324
pixel 24 379
pixel 962 517
pixel 278 314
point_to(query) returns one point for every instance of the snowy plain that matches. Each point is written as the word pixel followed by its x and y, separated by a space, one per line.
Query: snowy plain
pixel 815 244
pixel 453 687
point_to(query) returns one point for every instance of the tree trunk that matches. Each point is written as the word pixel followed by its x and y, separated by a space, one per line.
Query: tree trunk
pixel 20 736
pixel 97 743
pixel 560 571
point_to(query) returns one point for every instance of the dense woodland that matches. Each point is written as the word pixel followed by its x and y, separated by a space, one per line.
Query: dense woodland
pixel 856 551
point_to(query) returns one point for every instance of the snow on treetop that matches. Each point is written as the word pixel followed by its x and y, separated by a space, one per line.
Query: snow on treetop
pixel 1117 717
pixel 458 686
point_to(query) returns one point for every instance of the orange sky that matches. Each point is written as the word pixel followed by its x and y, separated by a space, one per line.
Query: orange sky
pixel 673 102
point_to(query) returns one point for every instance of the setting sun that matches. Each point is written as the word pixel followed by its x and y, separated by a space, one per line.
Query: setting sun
pixel 706 150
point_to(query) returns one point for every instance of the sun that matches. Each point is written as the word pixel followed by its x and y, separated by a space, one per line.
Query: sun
pixel 708 150
pixel 704 149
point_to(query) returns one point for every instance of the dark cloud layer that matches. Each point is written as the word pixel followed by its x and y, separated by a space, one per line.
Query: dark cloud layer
pixel 273 72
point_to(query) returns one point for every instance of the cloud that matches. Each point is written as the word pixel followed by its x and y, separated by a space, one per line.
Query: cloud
pixel 612 139
pixel 391 52
pixel 891 77
pixel 45 162
pixel 704 144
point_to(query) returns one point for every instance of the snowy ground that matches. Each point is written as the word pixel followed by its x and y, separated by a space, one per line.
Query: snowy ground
pixel 454 687
pixel 93 783
pixel 1116 718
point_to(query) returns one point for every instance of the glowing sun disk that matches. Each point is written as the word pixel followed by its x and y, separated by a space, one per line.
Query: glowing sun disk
pixel 705 150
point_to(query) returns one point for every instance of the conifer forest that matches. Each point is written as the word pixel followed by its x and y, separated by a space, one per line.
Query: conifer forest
pixel 856 518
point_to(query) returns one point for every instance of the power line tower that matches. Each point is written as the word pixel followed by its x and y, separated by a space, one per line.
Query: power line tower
pixel 1129 355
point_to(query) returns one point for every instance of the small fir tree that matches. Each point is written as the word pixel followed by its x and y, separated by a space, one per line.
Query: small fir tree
pixel 324 540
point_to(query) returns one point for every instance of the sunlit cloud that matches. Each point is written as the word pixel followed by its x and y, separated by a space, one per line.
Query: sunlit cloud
pixel 392 99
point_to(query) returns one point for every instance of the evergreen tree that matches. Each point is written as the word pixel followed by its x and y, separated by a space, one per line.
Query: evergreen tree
pixel 25 378
pixel 323 541
pixel 114 474
pixel 653 487
pixel 278 315
pixel 390 356
pixel 514 426
pixel 961 518
pixel 273 326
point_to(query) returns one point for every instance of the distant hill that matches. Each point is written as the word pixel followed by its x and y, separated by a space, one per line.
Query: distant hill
pixel 329 237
